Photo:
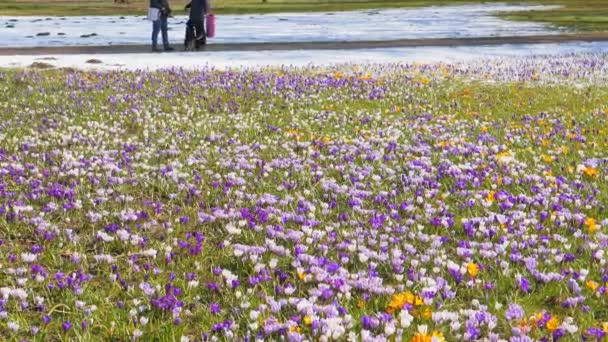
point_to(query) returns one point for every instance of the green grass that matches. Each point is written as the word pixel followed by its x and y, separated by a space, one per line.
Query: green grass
pixel 589 15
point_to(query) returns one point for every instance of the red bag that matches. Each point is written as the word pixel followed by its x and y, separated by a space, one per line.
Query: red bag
pixel 210 22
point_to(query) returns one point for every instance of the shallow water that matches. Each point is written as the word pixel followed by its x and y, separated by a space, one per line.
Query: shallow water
pixel 427 22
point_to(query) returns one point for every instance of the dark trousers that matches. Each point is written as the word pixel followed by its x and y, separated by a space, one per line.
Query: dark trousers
pixel 160 25
pixel 195 31
pixel 199 27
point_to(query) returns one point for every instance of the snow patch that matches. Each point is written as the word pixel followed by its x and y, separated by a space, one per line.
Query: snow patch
pixel 244 59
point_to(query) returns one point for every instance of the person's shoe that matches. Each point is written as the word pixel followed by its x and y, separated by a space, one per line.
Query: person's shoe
pixel 169 49
pixel 155 49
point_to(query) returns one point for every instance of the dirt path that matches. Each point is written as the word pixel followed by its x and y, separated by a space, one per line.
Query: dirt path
pixel 119 49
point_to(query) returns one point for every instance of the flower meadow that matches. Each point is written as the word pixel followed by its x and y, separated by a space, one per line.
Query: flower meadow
pixel 419 202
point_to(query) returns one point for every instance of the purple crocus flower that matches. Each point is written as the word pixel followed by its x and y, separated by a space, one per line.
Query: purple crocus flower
pixel 598 333
pixel 558 334
pixel 66 326
pixel 524 284
pixel 332 267
pixel 215 308
pixel 514 312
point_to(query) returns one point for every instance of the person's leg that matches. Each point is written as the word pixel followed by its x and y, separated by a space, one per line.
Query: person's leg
pixel 164 29
pixel 189 34
pixel 202 37
pixel 199 27
pixel 155 30
pixel 203 30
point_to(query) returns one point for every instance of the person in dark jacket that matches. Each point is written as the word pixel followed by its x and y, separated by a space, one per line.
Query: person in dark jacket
pixel 195 27
pixel 160 25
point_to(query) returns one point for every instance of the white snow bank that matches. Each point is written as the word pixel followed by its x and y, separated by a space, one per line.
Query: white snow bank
pixel 233 59
pixel 426 22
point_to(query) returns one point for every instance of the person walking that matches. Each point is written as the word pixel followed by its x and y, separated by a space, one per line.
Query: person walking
pixel 159 24
pixel 196 24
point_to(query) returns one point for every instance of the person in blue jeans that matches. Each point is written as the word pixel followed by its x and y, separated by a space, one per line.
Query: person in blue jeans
pixel 160 25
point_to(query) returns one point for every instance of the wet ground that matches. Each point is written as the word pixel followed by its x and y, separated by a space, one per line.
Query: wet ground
pixel 249 47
